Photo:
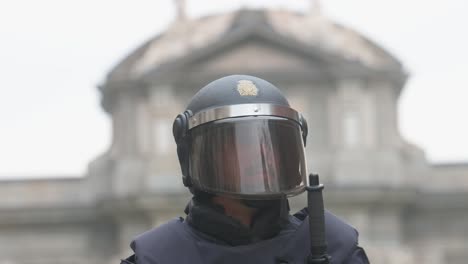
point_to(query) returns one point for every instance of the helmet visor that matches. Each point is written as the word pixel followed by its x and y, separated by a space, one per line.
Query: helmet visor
pixel 248 157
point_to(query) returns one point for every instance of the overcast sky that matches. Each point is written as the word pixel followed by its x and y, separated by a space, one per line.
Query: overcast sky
pixel 53 53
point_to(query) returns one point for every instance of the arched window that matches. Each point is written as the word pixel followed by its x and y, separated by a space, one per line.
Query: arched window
pixel 162 136
pixel 351 129
pixel 352 116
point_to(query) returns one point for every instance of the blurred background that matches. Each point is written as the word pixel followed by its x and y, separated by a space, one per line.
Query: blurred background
pixel 90 90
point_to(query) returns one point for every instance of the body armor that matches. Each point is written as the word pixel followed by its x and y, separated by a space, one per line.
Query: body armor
pixel 177 242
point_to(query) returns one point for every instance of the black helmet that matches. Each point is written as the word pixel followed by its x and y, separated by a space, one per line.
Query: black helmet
pixel 239 137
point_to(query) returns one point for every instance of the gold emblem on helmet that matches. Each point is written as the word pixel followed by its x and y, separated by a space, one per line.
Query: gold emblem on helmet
pixel 247 88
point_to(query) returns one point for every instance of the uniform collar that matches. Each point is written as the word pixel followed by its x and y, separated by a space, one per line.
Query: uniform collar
pixel 210 220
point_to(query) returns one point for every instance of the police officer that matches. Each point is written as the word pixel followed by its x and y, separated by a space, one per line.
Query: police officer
pixel 241 150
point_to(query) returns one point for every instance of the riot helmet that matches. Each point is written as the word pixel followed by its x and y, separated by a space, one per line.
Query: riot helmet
pixel 239 137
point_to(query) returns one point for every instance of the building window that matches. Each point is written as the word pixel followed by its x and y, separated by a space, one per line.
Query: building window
pixel 351 129
pixel 161 97
pixel 162 136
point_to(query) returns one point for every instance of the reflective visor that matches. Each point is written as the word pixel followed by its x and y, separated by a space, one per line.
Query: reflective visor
pixel 248 157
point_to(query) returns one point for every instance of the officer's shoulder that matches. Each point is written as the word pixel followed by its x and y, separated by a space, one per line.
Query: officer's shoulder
pixel 339 233
pixel 163 243
pixel 158 236
pixel 333 223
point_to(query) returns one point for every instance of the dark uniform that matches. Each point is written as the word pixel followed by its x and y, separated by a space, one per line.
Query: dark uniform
pixel 240 139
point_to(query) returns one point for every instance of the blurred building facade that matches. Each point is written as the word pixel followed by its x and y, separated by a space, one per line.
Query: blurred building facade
pixel 406 210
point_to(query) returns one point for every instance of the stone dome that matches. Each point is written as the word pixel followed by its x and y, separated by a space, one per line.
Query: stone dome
pixel 312 31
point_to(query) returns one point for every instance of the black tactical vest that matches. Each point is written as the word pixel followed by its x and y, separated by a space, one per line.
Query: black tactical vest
pixel 177 242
